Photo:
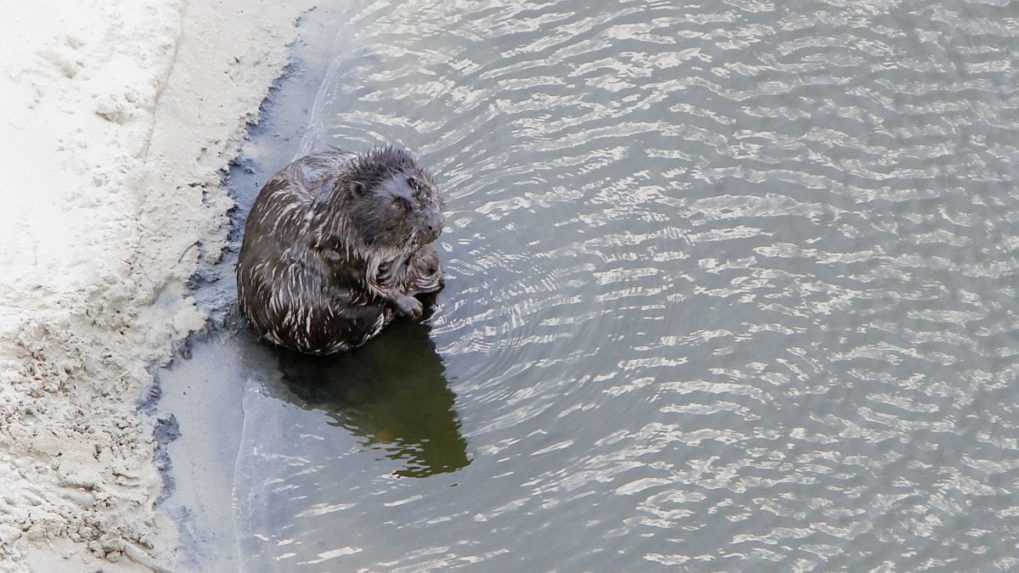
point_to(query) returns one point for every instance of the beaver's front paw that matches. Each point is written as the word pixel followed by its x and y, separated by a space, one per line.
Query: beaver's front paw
pixel 409 307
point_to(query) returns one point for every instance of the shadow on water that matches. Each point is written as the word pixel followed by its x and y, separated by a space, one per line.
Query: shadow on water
pixel 392 394
pixel 252 416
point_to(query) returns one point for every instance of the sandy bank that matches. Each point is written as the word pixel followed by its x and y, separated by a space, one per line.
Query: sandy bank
pixel 120 116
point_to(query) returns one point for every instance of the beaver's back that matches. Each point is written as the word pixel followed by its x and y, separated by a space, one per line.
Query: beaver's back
pixel 281 208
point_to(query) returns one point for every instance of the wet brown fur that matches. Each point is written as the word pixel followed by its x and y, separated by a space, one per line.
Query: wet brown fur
pixel 337 245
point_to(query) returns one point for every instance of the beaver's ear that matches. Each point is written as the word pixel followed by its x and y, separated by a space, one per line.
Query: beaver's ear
pixel 358 188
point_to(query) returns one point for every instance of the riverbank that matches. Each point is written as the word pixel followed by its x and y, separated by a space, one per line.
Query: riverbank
pixel 122 116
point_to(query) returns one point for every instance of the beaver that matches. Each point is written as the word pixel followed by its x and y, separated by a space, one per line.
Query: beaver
pixel 336 246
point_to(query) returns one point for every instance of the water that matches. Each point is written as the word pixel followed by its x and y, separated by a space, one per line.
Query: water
pixel 731 287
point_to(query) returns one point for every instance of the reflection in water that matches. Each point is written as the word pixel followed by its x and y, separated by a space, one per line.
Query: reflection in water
pixel 393 394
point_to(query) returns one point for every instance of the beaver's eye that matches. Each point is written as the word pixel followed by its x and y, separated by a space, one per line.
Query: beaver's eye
pixel 414 183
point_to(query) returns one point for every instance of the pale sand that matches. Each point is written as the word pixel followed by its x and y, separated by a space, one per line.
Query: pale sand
pixel 119 116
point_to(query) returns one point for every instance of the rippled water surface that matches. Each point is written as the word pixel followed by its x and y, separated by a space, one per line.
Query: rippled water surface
pixel 730 287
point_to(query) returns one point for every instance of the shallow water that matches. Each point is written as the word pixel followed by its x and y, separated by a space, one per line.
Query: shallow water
pixel 730 287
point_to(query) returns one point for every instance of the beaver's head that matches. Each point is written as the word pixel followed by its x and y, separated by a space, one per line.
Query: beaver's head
pixel 392 202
